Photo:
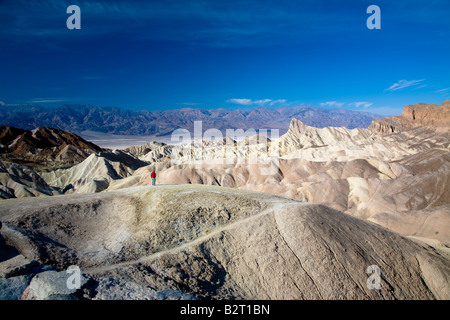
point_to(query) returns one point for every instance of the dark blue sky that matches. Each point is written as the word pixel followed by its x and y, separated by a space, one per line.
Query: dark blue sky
pixel 231 54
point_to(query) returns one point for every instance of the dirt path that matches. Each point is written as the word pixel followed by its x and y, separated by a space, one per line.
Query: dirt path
pixel 272 209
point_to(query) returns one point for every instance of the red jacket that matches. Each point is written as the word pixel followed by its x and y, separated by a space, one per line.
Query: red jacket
pixel 153 174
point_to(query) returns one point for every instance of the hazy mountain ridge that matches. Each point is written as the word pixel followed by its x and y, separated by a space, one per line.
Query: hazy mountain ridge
pixel 79 118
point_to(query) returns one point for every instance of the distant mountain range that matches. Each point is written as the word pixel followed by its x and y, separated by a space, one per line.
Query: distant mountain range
pixel 79 118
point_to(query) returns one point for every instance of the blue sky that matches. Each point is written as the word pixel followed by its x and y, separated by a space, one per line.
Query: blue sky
pixel 226 54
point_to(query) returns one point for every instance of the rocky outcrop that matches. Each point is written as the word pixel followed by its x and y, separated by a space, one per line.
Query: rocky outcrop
pixel 430 116
pixel 17 181
pixel 386 126
pixel 44 147
pixel 53 285
pixel 13 288
pixel 237 245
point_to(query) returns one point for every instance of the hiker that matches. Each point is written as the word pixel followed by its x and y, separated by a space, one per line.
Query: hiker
pixel 153 174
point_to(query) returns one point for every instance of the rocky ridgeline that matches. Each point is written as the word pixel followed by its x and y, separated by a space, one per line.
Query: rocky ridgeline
pixel 44 147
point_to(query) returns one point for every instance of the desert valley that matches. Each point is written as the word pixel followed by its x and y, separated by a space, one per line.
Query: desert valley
pixel 219 226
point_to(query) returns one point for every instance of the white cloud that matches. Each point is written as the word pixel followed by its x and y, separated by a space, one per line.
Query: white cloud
pixel 248 102
pixel 402 84
pixel 244 102
pixel 332 104
pixel 278 101
pixel 446 90
pixel 262 102
pixel 363 104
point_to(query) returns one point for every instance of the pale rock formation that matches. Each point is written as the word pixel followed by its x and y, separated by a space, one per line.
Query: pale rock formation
pixel 52 285
pixel 17 181
pixel 237 245
pixel 95 173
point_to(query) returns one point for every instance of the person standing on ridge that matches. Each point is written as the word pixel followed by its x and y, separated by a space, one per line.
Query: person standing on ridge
pixel 153 175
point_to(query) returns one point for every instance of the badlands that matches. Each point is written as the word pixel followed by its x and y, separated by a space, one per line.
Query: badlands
pixel 304 216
